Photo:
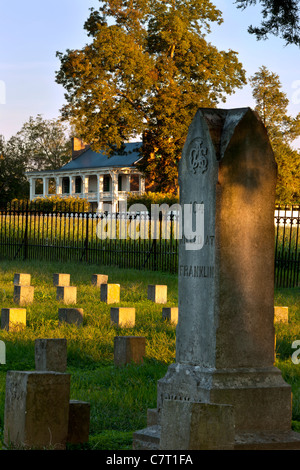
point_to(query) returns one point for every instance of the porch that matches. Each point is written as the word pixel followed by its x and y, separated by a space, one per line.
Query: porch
pixel 104 190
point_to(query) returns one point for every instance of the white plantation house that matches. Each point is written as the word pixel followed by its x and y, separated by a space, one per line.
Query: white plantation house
pixel 104 181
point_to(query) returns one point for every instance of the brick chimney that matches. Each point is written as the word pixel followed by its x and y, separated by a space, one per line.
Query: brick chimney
pixel 78 147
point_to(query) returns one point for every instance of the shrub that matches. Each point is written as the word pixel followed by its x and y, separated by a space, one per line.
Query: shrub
pixel 51 204
pixel 152 198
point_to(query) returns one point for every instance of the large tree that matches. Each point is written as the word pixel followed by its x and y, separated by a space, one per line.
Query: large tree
pixel 271 105
pixel 13 183
pixel 44 144
pixel 146 71
pixel 280 18
pixel 41 144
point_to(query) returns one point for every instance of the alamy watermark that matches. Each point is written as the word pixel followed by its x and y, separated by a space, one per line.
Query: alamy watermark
pixel 295 358
pixel 185 223
pixel 2 353
pixel 2 92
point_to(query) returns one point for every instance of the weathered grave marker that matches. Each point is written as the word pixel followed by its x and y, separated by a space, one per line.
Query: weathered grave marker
pixel 98 279
pixel 13 319
pixel 66 294
pixel 36 410
pixel 51 354
pixel 61 279
pixel 129 349
pixel 170 314
pixel 23 295
pixel 71 316
pixel 122 316
pixel 79 422
pixel 110 293
pixel 281 314
pixel 158 293
pixel 22 279
pixel 225 334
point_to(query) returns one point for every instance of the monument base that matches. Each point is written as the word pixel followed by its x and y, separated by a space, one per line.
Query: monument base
pixel 261 399
pixel 149 439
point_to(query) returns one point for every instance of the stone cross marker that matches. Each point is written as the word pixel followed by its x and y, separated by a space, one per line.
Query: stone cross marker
pixel 225 333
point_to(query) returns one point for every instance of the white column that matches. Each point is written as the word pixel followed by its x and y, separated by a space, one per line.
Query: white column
pixel 99 193
pixel 58 185
pixel 141 184
pixel 126 183
pixel 31 188
pixel 45 184
pixel 114 191
pixel 72 185
pixel 85 182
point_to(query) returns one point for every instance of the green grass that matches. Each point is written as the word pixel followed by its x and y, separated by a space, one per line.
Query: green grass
pixel 119 396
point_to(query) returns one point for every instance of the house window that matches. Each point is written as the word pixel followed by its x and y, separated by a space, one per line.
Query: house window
pixel 78 184
pixel 66 186
pixel 38 186
pixel 134 182
pixel 120 183
pixel 51 186
pixel 106 183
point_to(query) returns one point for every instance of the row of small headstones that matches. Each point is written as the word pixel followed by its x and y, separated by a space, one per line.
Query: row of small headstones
pixel 109 293
pixel 13 318
pixel 38 410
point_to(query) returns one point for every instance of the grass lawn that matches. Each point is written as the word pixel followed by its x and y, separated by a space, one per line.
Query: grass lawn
pixel 119 396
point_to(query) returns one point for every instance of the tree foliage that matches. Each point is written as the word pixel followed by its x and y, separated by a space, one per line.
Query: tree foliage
pixel 12 172
pixel 41 144
pixel 44 144
pixel 271 105
pixel 280 18
pixel 146 71
pixel 149 198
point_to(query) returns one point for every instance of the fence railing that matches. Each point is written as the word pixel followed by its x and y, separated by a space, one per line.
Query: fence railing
pixel 287 246
pixel 124 240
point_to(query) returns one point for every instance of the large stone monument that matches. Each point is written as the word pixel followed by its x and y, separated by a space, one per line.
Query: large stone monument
pixel 225 339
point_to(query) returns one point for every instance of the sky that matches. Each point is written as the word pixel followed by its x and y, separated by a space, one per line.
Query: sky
pixel 32 32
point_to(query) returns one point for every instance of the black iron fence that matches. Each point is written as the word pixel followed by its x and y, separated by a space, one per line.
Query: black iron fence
pixel 287 246
pixel 124 240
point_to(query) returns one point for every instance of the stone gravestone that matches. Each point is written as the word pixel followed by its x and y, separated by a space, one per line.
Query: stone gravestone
pixel 66 294
pixel 61 279
pixel 170 314
pixel 22 279
pixel 281 314
pixel 51 354
pixel 72 316
pixel 13 319
pixel 122 316
pixel 225 333
pixel 23 295
pixel 36 410
pixel 79 422
pixel 129 349
pixel 98 279
pixel 110 293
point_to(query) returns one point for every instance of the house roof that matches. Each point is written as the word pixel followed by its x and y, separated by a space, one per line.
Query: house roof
pixel 91 159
